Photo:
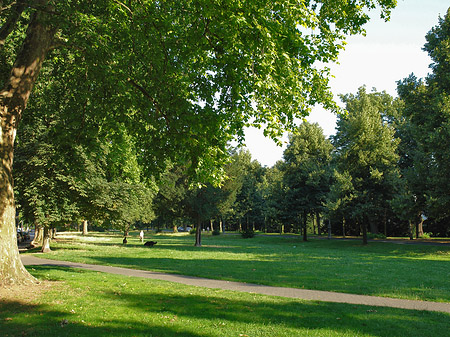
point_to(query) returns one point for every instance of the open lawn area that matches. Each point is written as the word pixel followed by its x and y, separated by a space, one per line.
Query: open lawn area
pixel 417 272
pixel 74 302
pixel 84 303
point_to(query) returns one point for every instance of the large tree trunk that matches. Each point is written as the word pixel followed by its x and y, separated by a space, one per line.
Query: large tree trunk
pixel 364 232
pixel 13 99
pixel 419 225
pixel 85 227
pixel 46 241
pixel 38 236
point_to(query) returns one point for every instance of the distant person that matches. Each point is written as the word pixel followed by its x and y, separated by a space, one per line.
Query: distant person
pixel 141 236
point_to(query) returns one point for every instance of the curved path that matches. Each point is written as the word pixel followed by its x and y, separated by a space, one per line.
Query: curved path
pixel 312 295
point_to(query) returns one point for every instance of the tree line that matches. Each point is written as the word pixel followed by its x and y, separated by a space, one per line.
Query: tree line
pixel 114 93
pixel 384 172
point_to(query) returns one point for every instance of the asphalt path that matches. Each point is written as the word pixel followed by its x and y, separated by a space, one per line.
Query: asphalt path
pixel 304 294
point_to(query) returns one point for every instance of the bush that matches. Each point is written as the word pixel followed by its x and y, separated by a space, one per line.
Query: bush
pixel 426 236
pixel 193 231
pixel 216 232
pixel 248 233
pixel 372 236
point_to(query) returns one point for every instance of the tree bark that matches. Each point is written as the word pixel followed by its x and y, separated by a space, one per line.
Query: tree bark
pixel 343 227
pixel 10 23
pixel 411 230
pixel 198 234
pixel 419 226
pixel 329 229
pixel 85 227
pixel 46 241
pixel 305 225
pixel 13 99
pixel 364 232
pixel 38 236
pixel 318 222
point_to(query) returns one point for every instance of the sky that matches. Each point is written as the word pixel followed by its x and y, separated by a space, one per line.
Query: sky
pixel 389 52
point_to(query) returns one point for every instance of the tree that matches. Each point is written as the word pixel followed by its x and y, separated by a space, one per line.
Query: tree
pixel 367 157
pixel 426 113
pixel 169 203
pixel 248 205
pixel 185 76
pixel 306 172
pixel 123 204
pixel 273 194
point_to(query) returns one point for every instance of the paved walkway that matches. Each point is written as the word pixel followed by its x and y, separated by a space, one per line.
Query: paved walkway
pixel 312 295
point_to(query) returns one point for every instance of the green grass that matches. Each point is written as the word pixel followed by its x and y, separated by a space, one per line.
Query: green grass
pixel 380 269
pixel 86 303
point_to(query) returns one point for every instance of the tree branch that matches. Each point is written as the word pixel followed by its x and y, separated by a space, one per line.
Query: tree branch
pixel 8 26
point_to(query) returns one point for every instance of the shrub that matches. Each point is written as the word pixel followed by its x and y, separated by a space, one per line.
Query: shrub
pixel 426 236
pixel 372 236
pixel 216 232
pixel 193 231
pixel 247 233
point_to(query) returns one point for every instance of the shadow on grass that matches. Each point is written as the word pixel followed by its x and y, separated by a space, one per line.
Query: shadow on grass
pixel 138 307
pixel 292 316
pixel 18 319
pixel 286 261
pixel 336 275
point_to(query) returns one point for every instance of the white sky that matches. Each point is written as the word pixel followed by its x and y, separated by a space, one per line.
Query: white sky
pixel 389 52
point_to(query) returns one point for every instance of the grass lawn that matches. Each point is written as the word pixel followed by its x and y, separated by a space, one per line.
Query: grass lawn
pixel 75 302
pixel 382 269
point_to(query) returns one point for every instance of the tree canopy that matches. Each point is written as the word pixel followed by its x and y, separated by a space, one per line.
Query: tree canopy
pixel 183 78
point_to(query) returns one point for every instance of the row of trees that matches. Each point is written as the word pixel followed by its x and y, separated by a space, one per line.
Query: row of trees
pixel 175 81
pixel 384 170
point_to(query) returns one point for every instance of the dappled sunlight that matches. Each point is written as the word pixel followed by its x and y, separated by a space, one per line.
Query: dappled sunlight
pixel 101 304
pixel 388 270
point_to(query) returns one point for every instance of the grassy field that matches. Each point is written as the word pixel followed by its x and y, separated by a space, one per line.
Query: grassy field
pixel 73 302
pixel 383 269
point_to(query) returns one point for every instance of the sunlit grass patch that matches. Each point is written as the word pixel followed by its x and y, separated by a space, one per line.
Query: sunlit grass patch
pixel 381 269
pixel 85 303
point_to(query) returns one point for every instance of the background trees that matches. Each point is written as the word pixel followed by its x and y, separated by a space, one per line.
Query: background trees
pixel 366 157
pixel 307 173
pixel 183 78
pixel 426 112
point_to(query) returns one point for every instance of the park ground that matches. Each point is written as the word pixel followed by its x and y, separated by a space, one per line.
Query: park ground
pixel 81 302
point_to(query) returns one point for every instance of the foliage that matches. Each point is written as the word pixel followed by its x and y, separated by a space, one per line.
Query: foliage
pixel 180 80
pixel 70 169
pixel 372 236
pixel 306 172
pixel 426 115
pixel 366 161
pixel 248 233
pixel 249 200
